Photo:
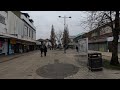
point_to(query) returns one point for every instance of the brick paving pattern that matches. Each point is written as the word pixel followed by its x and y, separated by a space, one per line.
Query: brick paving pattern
pixel 25 67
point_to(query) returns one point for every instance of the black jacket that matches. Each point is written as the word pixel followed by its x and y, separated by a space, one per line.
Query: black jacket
pixel 43 48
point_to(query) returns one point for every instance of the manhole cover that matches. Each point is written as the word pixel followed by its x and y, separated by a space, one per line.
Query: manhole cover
pixel 57 70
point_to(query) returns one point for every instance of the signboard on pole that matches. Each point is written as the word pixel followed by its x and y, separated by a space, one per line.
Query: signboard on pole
pixel 83 45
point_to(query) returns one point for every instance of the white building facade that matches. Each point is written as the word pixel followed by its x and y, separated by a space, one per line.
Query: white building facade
pixel 3 32
pixel 17 34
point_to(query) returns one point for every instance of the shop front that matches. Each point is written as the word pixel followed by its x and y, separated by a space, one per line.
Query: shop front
pixel 32 46
pixel 11 46
pixel 3 46
pixel 18 46
pixel 24 46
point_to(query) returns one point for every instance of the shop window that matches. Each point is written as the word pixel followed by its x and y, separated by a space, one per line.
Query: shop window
pixel 25 31
pixel 32 33
pixel 29 31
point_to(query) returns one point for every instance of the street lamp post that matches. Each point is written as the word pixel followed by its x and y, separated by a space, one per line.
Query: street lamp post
pixel 64 20
pixel 64 28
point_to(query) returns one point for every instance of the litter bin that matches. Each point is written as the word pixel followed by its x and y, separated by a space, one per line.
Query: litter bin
pixel 95 61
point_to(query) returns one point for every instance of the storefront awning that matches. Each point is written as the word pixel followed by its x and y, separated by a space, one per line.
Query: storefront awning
pixel 4 35
pixel 33 41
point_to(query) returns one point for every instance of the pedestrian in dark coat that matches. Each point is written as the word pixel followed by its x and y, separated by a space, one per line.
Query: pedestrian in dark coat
pixel 77 48
pixel 45 50
pixel 41 49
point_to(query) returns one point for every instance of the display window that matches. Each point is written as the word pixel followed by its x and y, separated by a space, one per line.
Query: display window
pixel 1 47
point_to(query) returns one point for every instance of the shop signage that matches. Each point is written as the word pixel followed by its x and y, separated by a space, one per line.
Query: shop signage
pixel 13 41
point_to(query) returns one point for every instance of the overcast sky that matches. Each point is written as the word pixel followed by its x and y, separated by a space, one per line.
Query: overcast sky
pixel 43 21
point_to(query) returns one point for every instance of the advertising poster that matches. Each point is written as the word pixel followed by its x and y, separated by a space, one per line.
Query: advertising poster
pixel 83 45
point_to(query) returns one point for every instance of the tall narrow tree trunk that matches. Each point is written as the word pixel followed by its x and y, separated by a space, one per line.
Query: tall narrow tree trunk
pixel 114 59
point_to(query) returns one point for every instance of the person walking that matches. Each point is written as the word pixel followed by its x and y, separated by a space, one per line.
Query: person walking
pixel 65 47
pixel 76 48
pixel 45 50
pixel 50 47
pixel 41 49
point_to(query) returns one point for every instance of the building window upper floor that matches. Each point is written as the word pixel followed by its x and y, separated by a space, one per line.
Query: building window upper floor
pixel 32 34
pixel 25 30
pixel 2 19
pixel 29 32
pixel 3 22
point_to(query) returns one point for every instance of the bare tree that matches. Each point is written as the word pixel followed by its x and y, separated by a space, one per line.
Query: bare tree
pixel 52 37
pixel 58 36
pixel 97 19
